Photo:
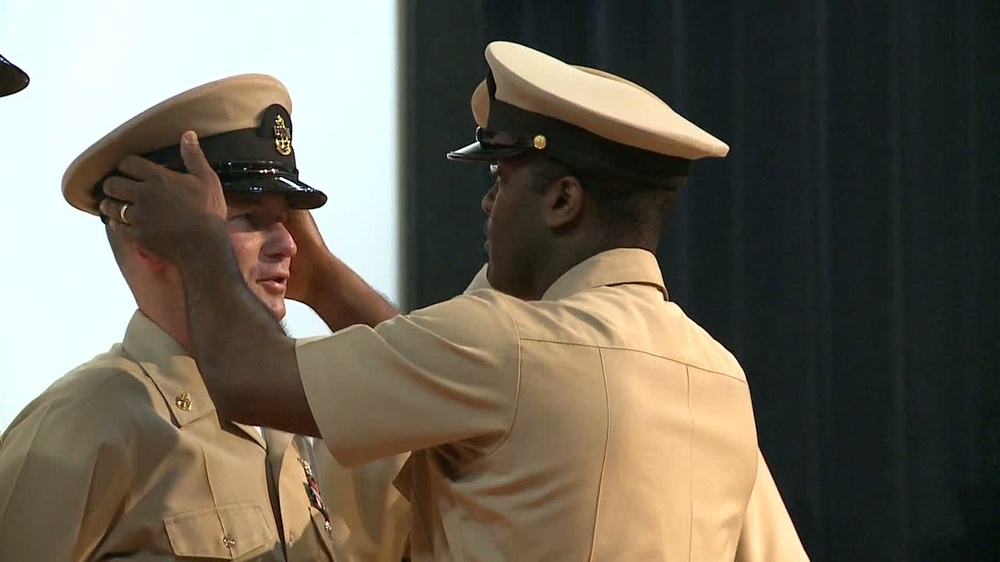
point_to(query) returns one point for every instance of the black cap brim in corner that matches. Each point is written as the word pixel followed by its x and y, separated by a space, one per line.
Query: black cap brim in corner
pixel 12 78
pixel 477 152
pixel 298 194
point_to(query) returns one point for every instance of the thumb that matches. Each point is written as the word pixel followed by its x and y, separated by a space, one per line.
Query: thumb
pixel 194 158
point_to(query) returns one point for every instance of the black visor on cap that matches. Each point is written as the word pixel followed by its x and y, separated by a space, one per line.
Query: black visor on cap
pixel 12 78
pixel 492 146
pixel 269 177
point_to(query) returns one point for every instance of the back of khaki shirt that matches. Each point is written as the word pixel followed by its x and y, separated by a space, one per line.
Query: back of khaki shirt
pixel 598 423
pixel 767 533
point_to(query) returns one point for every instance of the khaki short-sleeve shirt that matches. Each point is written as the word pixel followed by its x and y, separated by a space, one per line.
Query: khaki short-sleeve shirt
pixel 596 423
pixel 125 458
pixel 767 533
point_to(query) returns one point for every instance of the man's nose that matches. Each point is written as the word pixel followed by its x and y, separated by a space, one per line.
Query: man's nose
pixel 280 241
pixel 488 200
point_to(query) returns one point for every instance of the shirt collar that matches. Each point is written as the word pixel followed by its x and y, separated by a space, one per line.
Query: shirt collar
pixel 171 369
pixel 612 267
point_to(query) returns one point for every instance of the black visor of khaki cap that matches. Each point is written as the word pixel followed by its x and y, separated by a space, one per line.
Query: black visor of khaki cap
pixel 255 178
pixel 269 177
pixel 492 146
pixel 12 78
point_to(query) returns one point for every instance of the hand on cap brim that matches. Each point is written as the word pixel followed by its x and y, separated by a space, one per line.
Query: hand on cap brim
pixel 162 210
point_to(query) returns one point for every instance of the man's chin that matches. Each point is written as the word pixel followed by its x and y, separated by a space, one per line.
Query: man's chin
pixel 280 317
pixel 276 306
pixel 277 310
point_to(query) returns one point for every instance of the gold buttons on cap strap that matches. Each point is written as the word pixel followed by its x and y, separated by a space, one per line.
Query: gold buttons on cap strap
pixel 540 142
pixel 183 401
pixel 229 541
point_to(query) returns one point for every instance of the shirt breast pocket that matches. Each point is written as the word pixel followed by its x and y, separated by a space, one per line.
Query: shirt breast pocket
pixel 227 533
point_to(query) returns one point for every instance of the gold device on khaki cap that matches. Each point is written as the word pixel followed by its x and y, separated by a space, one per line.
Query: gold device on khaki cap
pixel 244 126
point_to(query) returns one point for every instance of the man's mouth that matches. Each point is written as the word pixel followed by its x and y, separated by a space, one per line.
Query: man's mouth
pixel 276 284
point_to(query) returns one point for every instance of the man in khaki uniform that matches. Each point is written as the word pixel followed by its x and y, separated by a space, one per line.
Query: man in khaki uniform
pixel 572 411
pixel 126 457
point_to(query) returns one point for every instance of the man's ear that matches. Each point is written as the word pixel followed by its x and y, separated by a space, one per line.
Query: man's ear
pixel 564 202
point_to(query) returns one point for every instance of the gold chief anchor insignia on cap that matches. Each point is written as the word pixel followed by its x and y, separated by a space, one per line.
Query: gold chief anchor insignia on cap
pixel 282 136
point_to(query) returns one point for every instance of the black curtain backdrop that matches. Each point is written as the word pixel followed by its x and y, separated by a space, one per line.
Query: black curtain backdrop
pixel 845 250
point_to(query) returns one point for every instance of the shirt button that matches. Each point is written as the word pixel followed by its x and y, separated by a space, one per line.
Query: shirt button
pixel 229 541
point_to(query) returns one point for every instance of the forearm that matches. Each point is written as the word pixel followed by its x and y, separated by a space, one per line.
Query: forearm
pixel 342 298
pixel 246 359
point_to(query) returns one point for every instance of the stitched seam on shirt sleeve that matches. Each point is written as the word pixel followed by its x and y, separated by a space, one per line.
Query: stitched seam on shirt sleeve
pixel 687 371
pixel 517 390
pixel 604 462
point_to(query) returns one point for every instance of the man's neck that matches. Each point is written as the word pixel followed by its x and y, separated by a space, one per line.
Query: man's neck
pixel 172 323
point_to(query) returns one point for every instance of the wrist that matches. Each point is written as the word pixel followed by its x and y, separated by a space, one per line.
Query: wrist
pixel 324 278
pixel 206 243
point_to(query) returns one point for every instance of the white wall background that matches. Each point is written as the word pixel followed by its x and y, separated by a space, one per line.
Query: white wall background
pixel 95 64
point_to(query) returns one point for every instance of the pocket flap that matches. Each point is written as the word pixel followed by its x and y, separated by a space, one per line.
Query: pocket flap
pixel 226 533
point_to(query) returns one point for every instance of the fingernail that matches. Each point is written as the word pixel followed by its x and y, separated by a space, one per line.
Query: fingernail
pixel 191 137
